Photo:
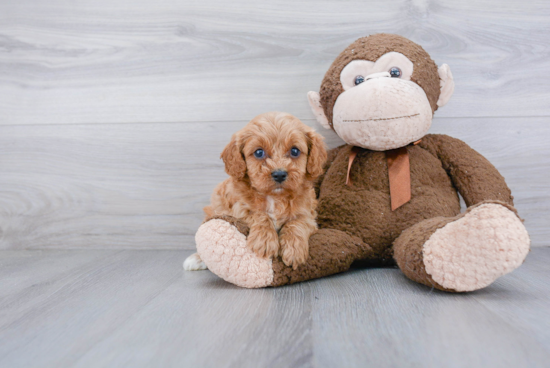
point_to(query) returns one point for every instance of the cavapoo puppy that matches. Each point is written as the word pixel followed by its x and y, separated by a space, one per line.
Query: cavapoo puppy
pixel 272 163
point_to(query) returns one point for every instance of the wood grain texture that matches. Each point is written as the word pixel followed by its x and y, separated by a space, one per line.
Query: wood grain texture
pixel 135 308
pixel 112 118
pixel 186 61
pixel 524 306
pixel 411 325
pixel 93 300
pixel 144 185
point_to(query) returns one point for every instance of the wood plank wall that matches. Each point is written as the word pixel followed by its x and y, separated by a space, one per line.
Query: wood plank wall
pixel 113 113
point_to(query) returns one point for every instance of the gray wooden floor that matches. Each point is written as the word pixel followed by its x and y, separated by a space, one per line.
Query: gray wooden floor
pixel 138 308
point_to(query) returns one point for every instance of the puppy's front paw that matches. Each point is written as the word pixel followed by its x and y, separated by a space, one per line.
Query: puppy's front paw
pixel 294 249
pixel 263 241
pixel 194 263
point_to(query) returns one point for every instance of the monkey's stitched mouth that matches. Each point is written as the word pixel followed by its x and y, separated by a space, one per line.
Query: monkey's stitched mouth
pixel 378 119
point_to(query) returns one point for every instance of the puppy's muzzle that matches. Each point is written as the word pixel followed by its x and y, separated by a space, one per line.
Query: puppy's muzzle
pixel 279 175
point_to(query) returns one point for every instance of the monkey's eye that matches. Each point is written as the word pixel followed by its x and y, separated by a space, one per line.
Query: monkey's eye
pixel 359 79
pixel 259 153
pixel 294 152
pixel 395 72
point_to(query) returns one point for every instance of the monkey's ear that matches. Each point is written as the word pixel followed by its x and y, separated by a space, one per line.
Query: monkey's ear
pixel 315 103
pixel 233 159
pixel 317 154
pixel 447 84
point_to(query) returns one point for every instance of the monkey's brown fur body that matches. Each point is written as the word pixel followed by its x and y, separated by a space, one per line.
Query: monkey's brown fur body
pixel 429 239
pixel 363 209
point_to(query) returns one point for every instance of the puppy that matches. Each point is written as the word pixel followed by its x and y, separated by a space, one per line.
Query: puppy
pixel 272 163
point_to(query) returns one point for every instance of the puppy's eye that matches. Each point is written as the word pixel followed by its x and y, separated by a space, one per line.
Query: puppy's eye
pixel 259 153
pixel 359 79
pixel 294 152
pixel 395 72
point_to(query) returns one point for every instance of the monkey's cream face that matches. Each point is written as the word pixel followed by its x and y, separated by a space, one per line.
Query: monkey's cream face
pixel 381 108
pixel 376 104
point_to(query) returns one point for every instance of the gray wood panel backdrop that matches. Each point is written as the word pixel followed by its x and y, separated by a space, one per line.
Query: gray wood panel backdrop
pixel 113 113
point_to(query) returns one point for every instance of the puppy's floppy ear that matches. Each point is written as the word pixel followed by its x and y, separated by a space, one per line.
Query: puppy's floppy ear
pixel 317 154
pixel 233 159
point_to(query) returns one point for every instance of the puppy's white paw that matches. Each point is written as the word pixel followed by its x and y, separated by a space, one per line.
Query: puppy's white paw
pixel 194 263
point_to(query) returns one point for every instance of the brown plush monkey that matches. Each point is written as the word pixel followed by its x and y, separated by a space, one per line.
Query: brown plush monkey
pixel 390 195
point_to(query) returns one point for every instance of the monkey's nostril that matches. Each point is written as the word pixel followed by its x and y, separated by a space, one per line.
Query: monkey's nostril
pixel 279 175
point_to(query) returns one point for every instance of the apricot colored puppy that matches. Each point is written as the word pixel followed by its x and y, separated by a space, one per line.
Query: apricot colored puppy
pixel 272 163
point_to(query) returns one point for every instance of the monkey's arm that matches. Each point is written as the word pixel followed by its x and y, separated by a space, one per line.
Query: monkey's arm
pixel 331 155
pixel 475 178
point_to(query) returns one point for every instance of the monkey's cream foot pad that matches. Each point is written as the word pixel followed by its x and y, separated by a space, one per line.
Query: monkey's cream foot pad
pixel 473 251
pixel 223 248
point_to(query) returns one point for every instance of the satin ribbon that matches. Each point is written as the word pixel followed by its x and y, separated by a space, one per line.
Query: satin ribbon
pixel 399 173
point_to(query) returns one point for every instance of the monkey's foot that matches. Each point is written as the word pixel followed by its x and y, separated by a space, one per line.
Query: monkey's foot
pixel 465 253
pixel 223 249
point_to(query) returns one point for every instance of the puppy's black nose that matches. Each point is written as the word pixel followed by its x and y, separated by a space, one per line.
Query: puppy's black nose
pixel 279 175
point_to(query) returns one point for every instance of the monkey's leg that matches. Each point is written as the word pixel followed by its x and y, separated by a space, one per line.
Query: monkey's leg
pixel 466 252
pixel 221 244
pixel 330 252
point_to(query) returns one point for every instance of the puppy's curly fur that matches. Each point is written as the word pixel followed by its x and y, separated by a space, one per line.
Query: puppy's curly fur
pixel 281 215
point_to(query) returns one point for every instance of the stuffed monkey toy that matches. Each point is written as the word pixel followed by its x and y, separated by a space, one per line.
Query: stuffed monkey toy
pixel 390 195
